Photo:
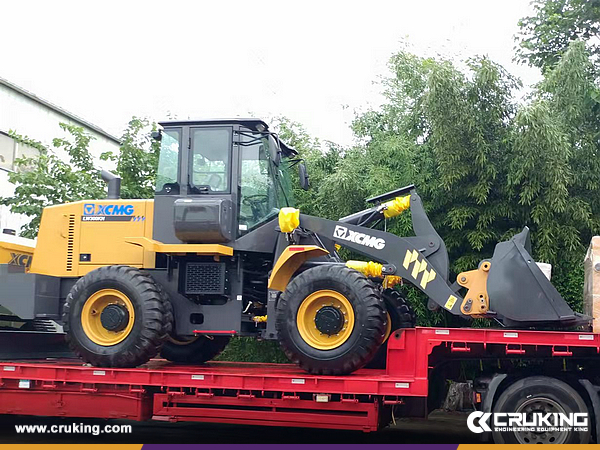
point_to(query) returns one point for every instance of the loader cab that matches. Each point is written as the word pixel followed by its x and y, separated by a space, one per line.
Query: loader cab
pixel 219 180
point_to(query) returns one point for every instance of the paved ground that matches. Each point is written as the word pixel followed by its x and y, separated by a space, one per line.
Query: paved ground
pixel 440 428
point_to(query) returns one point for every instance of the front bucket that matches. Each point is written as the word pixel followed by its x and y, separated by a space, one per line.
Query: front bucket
pixel 519 292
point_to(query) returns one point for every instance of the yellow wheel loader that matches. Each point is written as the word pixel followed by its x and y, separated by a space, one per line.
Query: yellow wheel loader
pixel 221 252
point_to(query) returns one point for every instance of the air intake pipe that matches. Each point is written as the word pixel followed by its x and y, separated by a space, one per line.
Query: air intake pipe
pixel 114 184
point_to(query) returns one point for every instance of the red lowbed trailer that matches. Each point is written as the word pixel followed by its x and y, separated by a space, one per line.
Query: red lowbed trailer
pixel 419 361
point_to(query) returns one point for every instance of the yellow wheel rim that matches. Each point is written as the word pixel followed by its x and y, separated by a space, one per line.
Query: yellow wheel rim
pixel 92 311
pixel 307 314
pixel 388 326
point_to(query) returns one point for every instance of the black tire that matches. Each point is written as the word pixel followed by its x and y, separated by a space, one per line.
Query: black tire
pixel 540 390
pixel 369 320
pixel 150 326
pixel 169 323
pixel 195 351
pixel 402 316
pixel 399 309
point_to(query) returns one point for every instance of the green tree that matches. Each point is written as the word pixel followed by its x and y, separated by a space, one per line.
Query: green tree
pixel 545 36
pixel 447 132
pixel 66 171
pixel 485 165
pixel 309 149
pixel 137 159
pixel 554 168
pixel 49 179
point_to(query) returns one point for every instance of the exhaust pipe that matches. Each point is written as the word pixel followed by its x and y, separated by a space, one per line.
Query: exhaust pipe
pixel 114 184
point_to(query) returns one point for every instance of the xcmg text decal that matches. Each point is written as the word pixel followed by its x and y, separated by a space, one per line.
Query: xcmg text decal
pixel 17 259
pixel 90 209
pixel 110 213
pixel 358 238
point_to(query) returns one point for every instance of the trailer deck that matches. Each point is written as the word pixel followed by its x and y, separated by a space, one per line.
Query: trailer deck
pixel 273 394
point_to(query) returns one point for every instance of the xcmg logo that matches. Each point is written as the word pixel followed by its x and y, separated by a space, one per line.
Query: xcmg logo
pixel 90 209
pixel 358 238
pixel 17 259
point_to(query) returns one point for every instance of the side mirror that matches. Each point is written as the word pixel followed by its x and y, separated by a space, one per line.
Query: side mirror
pixel 304 183
pixel 156 135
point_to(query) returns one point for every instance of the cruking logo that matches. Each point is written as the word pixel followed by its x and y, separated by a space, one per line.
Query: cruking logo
pixel 533 422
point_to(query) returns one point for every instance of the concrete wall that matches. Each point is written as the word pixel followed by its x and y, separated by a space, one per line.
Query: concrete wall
pixel 30 118
pixel 8 219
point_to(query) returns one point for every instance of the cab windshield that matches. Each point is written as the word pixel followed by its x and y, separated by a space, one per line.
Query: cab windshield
pixel 264 187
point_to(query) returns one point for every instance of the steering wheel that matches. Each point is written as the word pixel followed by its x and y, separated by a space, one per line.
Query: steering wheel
pixel 257 204
pixel 256 198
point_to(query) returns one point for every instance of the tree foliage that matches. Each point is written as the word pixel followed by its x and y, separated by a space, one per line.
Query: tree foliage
pixel 545 36
pixel 485 165
pixel 137 159
pixel 49 179
pixel 66 171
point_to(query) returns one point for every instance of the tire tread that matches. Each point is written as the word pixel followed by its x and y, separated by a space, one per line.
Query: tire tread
pixel 372 320
pixel 155 312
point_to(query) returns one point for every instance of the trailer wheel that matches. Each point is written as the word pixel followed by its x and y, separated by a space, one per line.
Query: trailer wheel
pixel 330 320
pixel 116 316
pixel 195 350
pixel 399 315
pixel 544 395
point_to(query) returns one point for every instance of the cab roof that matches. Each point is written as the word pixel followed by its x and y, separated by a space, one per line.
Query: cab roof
pixel 247 122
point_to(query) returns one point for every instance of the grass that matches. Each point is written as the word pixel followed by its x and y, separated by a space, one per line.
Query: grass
pixel 244 349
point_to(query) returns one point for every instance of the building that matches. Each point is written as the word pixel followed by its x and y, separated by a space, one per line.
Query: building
pixel 29 115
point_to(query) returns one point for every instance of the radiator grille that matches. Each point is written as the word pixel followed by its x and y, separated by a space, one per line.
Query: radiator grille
pixel 70 243
pixel 205 278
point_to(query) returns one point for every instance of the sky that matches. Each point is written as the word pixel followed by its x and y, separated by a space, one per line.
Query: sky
pixel 315 62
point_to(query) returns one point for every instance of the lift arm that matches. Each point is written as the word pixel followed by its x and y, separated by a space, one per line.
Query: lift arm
pixel 406 257
pixel 509 287
pixel 426 238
